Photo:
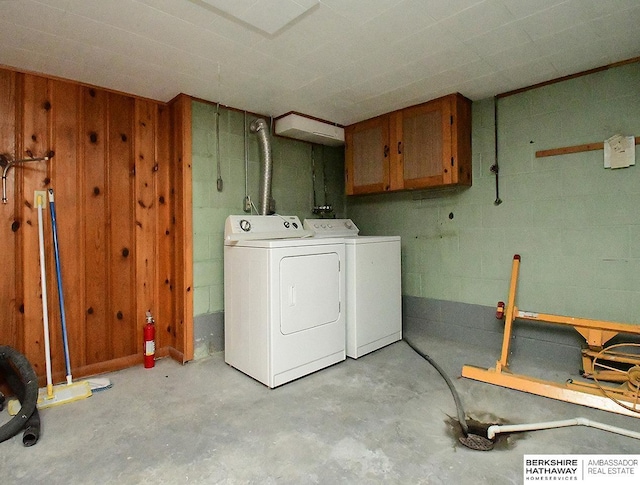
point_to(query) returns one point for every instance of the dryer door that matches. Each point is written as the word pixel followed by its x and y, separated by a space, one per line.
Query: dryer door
pixel 309 291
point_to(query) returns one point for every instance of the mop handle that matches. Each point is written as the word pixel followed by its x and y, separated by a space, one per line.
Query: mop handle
pixel 63 317
pixel 45 309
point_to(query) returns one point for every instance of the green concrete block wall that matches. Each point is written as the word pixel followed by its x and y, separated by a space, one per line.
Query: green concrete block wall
pixel 576 224
pixel 292 188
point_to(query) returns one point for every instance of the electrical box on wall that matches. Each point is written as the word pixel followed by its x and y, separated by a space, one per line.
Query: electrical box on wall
pixel 301 127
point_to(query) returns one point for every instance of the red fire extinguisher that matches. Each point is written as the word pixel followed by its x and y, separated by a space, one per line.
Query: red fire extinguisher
pixel 149 342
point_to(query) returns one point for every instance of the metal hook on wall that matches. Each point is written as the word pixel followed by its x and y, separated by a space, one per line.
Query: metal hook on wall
pixel 7 164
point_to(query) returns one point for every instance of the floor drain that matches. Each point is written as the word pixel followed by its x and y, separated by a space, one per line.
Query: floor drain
pixel 476 442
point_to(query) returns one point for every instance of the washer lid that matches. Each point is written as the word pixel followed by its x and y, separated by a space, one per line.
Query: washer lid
pixel 294 242
pixel 359 240
pixel 249 227
pixel 331 227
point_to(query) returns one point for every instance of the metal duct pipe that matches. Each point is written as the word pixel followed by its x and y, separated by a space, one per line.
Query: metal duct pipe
pixel 260 127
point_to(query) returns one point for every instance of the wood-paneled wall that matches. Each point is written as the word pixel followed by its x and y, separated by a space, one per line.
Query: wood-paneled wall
pixel 121 196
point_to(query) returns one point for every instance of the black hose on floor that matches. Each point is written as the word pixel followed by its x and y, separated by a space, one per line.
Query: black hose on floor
pixel 469 440
pixel 23 381
pixel 462 418
pixel 31 433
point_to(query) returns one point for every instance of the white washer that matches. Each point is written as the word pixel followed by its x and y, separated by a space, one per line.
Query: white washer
pixel 283 299
pixel 374 295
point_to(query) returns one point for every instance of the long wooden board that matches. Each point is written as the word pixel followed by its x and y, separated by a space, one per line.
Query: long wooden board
pixel 587 147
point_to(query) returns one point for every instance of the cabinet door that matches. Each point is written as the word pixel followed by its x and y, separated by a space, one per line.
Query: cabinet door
pixel 367 156
pixel 424 145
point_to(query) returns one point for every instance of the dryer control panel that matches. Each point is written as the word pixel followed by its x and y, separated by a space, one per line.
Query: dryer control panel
pixel 331 227
pixel 244 227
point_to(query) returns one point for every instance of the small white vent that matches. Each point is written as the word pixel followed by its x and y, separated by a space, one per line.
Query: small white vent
pixel 308 129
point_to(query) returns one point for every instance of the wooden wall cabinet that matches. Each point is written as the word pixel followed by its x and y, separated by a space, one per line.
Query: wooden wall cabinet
pixel 420 147
pixel 367 156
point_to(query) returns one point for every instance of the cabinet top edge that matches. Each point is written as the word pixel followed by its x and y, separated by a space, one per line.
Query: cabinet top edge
pixel 457 96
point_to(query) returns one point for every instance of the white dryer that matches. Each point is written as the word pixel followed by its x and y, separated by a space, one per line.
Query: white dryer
pixel 283 298
pixel 373 280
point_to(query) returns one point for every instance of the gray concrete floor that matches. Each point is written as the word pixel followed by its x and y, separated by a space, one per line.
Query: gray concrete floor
pixel 384 418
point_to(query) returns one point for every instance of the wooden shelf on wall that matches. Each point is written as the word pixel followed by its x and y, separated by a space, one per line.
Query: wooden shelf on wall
pixel 588 147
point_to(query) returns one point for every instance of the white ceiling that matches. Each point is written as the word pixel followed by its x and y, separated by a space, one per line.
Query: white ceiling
pixel 340 60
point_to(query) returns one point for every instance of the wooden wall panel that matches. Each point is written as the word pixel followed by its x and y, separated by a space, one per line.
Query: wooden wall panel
pixel 93 143
pixel 123 200
pixel 10 331
pixel 145 119
pixel 183 223
pixel 121 314
pixel 165 319
pixel 65 171
pixel 28 178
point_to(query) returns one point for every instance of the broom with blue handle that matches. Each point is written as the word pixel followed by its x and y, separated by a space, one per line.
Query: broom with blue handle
pixel 95 384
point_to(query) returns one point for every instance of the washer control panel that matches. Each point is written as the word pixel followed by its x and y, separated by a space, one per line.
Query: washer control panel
pixel 238 227
pixel 331 227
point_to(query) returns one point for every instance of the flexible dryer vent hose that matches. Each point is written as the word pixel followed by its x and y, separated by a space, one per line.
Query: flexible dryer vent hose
pixel 23 381
pixel 260 127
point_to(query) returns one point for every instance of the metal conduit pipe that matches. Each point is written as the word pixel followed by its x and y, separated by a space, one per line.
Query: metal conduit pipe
pixel 260 127
pixel 7 165
pixel 247 199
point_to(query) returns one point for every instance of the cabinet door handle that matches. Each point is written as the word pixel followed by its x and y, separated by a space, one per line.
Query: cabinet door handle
pixel 399 148
pixel 386 151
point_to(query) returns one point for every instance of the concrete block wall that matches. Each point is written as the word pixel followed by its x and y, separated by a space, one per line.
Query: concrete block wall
pixel 576 224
